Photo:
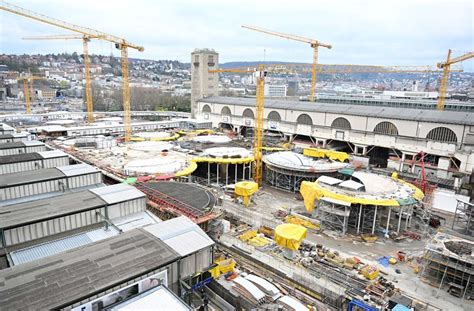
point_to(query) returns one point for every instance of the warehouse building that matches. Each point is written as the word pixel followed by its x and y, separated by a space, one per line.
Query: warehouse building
pixel 32 161
pixel 19 147
pixel 23 186
pixel 24 222
pixel 188 240
pixel 92 277
pixel 9 138
pixel 6 129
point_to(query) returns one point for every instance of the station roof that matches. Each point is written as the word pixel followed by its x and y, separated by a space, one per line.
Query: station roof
pixel 446 117
pixel 58 281
pixel 28 177
pixel 181 234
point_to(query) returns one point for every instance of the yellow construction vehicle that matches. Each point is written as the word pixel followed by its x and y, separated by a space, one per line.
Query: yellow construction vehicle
pixel 446 66
pixel 120 44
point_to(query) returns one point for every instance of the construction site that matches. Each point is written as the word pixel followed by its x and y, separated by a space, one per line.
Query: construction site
pixel 246 203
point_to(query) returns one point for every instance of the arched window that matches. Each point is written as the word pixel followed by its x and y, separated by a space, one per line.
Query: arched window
pixel 386 128
pixel 304 119
pixel 248 114
pixel 206 108
pixel 225 111
pixel 274 116
pixel 341 123
pixel 442 134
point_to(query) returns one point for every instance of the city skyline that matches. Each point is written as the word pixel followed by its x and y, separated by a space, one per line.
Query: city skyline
pixel 361 33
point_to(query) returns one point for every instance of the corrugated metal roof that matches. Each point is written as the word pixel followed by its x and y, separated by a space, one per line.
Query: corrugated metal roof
pixel 136 220
pixel 35 211
pixel 18 158
pixel 118 193
pixel 181 234
pixel 61 245
pixel 77 169
pixel 83 271
pixel 21 144
pixel 28 177
pixel 435 116
pixel 52 154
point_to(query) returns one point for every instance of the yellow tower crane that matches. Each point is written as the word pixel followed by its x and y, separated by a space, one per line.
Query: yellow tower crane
pixel 26 90
pixel 315 44
pixel 446 66
pixel 87 70
pixel 120 44
pixel 261 72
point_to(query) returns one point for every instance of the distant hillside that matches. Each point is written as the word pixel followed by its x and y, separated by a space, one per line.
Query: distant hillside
pixel 251 64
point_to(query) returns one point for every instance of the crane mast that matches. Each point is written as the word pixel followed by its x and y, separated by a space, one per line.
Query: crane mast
pixel 120 44
pixel 315 44
pixel 446 66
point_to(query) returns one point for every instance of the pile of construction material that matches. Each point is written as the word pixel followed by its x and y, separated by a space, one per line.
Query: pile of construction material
pixel 291 304
pixel 249 291
pixel 271 291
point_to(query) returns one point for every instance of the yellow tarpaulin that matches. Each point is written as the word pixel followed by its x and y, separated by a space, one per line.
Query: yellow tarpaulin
pixel 188 170
pixel 312 191
pixel 224 161
pixel 245 189
pixel 290 235
pixel 324 153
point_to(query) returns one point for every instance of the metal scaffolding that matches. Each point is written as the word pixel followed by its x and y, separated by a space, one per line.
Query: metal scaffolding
pixel 463 216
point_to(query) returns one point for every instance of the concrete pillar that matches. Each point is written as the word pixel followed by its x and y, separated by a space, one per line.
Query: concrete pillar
pixel 358 221
pixel 364 150
pixel 375 220
pixel 217 174
pixel 402 161
pixel 388 218
pixel 226 173
pixel 208 173
pixel 399 219
pixel 235 169
pixel 413 166
pixel 243 171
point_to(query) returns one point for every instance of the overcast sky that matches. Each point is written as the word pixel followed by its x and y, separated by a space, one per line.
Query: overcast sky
pixel 379 32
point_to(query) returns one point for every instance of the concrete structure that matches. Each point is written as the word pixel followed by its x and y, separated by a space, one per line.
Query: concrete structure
pixel 23 186
pixel 287 169
pixel 20 147
pixel 203 83
pixel 447 135
pixel 275 90
pixel 32 161
pixel 25 222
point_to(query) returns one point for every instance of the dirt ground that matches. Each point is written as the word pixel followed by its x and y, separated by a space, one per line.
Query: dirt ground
pixel 270 200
